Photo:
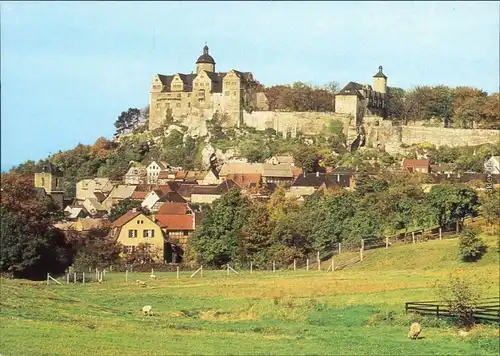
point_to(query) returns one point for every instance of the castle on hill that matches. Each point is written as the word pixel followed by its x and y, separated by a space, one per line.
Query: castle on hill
pixel 199 95
pixel 203 93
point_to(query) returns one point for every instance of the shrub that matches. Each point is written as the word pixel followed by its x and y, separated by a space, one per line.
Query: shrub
pixel 461 296
pixel 471 246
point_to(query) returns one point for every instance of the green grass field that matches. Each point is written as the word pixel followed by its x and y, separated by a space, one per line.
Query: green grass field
pixel 355 311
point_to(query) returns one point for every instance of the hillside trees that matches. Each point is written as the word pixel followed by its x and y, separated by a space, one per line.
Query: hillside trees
pixel 127 120
pixel 31 246
pixel 301 97
pixel 216 239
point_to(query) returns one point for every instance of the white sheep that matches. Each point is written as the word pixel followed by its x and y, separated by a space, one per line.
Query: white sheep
pixel 415 330
pixel 141 283
pixel 152 276
pixel 147 310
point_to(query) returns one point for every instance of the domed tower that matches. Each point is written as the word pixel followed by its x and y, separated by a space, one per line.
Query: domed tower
pixel 205 62
pixel 380 81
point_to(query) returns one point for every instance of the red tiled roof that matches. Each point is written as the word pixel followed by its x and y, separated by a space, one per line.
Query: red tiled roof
pixel 175 222
pixel 173 209
pixel 139 195
pixel 415 162
pixel 122 220
pixel 244 179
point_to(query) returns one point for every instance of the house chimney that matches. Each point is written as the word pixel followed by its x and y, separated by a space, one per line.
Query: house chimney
pixel 317 174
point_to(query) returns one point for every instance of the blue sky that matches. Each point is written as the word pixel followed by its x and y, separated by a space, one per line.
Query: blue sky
pixel 68 69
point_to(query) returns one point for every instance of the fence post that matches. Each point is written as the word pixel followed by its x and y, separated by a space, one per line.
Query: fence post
pixel 74 277
pixel 437 311
pixel 251 267
pixel 126 275
pixel 97 274
pixel 307 264
pixel 294 265
pixel 339 247
pixel 386 243
pixel 319 261
pixel 227 269
pixel 458 229
pixel 440 233
pixel 67 278
pixel 83 277
pixel 413 237
pixel 333 265
pixel 274 266
pixel 362 244
pixel 177 272
pixel 361 254
pixel 48 276
pixel 201 274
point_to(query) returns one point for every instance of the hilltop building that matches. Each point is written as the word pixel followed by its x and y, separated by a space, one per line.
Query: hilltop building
pixel 50 178
pixel 361 100
pixel 202 93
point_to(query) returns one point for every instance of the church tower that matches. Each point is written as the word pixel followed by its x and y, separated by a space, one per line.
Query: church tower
pixel 380 81
pixel 51 180
pixel 205 62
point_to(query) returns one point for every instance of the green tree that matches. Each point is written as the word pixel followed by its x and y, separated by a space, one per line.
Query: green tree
pixel 94 248
pixel 31 248
pixel 123 207
pixel 396 104
pixel 471 246
pixel 255 237
pixel 452 203
pixel 307 158
pixel 215 241
pixel 490 208
pixel 127 120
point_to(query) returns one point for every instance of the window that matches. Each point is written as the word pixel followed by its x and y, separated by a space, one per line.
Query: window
pixel 178 105
pixel 226 93
pixel 148 233
pixel 201 95
pixel 57 182
pixel 43 181
pixel 179 95
pixel 132 233
pixel 189 105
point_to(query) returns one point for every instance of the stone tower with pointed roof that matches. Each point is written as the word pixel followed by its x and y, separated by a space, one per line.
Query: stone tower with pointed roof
pixel 360 100
pixel 380 81
pixel 197 96
pixel 50 179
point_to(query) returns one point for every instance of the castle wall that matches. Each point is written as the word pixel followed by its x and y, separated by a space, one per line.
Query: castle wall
pixel 393 137
pixel 309 123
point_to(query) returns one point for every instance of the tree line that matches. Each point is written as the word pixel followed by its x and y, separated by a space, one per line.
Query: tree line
pixel 460 107
pixel 238 230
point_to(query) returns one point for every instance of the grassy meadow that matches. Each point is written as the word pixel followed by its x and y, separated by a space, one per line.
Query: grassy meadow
pixel 355 311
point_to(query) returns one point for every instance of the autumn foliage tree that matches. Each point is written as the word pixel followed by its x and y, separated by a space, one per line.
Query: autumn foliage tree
pixel 31 245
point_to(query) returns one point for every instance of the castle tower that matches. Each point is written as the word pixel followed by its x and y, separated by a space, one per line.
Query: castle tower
pixel 380 81
pixel 205 62
pixel 51 180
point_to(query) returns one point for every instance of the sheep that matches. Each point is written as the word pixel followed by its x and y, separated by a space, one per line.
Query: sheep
pixel 141 283
pixel 415 330
pixel 147 310
pixel 152 276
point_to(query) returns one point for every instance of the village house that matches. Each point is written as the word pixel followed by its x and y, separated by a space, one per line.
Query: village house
pixel 206 194
pixel 94 207
pixel 118 194
pixel 134 228
pixel 245 179
pixel 156 193
pixel 281 174
pixel 177 221
pixel 82 224
pixel 492 165
pixel 87 188
pixel 74 212
pixel 211 177
pixel 307 183
pixel 153 171
pixel 135 175
pixel 416 165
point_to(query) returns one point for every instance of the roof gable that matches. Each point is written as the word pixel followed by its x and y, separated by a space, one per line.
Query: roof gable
pixel 122 220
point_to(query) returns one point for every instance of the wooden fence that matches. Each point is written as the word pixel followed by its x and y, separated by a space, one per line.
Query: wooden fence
pixel 487 310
